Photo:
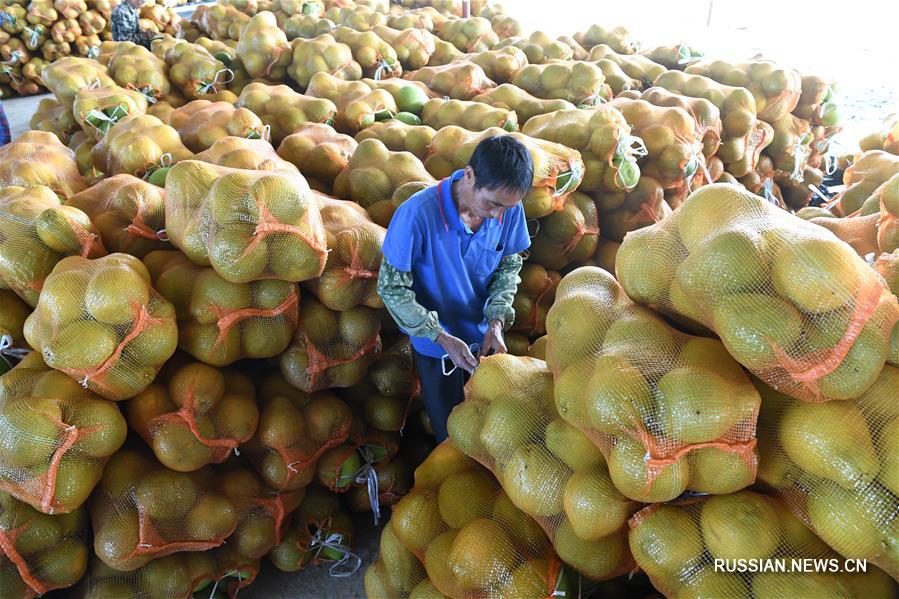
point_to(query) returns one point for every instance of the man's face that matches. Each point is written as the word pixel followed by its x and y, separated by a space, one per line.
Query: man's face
pixel 490 203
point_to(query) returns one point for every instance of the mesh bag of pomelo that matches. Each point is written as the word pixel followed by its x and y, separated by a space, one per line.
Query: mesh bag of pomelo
pixel 319 152
pixel 195 72
pixel 737 106
pixel 321 532
pixel 888 220
pixel 472 34
pixel 331 349
pixel 358 105
pixel 474 116
pixel 567 236
pixel 425 18
pixel 888 267
pixel 100 322
pixel 98 109
pixel 222 22
pixel 295 429
pixel 672 142
pixel 797 192
pixel 461 80
pixel 791 302
pixel 691 548
pixel 248 225
pixel 39 158
pixel 538 48
pixel 834 465
pixel 141 511
pixel 374 173
pixel 399 136
pixel 82 145
pixel 139 146
pixel 354 257
pixel 534 297
pixel 776 89
pixel 356 16
pixel 248 154
pixel 57 437
pixel 285 110
pixel 558 170
pixel 790 145
pixel 670 411
pixel 69 75
pixel 54 117
pixel 377 58
pixel 817 101
pixel 581 83
pixel 40 552
pixel 410 96
pixel 264 514
pixel 38 231
pixel 548 468
pixel 886 138
pixel 397 572
pixel 263 48
pixel 637 66
pixel 306 27
pixel 413 47
pixel 201 123
pixel 322 54
pixel 870 170
pixel 128 212
pixel 194 415
pixel 617 38
pixel 603 138
pixel 444 53
pixel 134 67
pixel 220 322
pixel 471 538
pixel 394 479
pixel 617 79
pixel 523 104
pixel 625 211
pixel 706 115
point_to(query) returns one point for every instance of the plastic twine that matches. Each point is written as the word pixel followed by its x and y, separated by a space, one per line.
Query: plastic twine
pixel 368 476
pixel 205 88
pixel 768 191
pixel 576 173
pixel 348 565
pixel 34 36
pixel 383 65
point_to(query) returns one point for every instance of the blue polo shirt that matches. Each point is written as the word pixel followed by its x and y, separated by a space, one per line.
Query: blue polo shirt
pixel 451 266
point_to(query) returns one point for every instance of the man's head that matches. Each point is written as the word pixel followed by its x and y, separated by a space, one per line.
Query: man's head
pixel 498 175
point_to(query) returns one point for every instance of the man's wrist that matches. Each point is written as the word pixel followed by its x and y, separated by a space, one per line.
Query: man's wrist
pixel 496 324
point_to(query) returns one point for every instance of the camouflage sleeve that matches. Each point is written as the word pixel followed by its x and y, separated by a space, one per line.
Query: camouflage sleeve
pixel 502 291
pixel 395 289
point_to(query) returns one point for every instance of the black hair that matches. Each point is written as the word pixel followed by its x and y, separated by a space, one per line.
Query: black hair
pixel 502 162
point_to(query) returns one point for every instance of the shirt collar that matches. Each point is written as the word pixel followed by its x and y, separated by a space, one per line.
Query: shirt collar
pixel 448 212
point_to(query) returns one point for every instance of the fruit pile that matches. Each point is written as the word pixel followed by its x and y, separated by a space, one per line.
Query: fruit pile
pixel 35 33
pixel 194 232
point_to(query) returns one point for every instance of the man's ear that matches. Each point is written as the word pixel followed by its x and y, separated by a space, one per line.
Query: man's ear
pixel 468 175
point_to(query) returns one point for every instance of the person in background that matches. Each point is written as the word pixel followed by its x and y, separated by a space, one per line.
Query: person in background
pixel 124 25
pixel 451 265
pixel 5 136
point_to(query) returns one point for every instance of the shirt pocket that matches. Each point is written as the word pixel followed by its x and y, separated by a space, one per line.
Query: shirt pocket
pixel 488 261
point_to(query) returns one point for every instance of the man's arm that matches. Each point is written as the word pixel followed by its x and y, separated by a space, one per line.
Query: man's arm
pixel 395 289
pixel 502 291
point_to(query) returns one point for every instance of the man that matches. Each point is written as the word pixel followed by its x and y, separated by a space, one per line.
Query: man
pixel 450 269
pixel 124 26
pixel 5 136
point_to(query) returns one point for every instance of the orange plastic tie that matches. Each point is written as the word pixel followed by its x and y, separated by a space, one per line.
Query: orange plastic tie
pixel 8 544
pixel 73 434
pixel 228 318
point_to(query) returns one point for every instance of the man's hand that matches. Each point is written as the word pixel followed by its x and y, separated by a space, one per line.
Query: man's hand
pixel 494 343
pixel 458 352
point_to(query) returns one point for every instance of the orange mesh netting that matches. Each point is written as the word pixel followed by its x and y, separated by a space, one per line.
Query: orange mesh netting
pixel 704 113
pixel 358 105
pixel 548 469
pixel 97 110
pixel 142 511
pixel 39 158
pixel 680 546
pixel 621 212
pixel 263 48
pixel 248 225
pixel 869 171
pixel 474 116
pixel 471 539
pixel 38 232
pixel 581 83
pixel 100 322
pixel 331 349
pixel 471 34
pixel 377 58
pixel 201 123
pixel 833 465
pixel 351 273
pixel 39 552
pixel 243 153
pixel 129 213
pixel 58 437
pixel 322 54
pixel 194 415
pixel 461 80
pixel 134 67
pixel 525 105
pixel 567 236
pixel 536 294
pixel 790 301
pixel 319 152
pixel 295 429
pixel 658 443
pixel 401 137
pixel 67 76
pixel 220 322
